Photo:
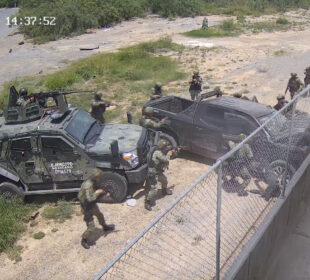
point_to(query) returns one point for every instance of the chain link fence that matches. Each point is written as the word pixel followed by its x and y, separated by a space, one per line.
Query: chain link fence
pixel 201 234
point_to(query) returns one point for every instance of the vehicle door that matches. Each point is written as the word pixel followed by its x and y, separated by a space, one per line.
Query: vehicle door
pixel 24 157
pixel 207 133
pixel 235 124
pixel 67 164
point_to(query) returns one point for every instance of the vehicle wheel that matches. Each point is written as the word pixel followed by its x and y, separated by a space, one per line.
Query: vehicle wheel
pixel 172 142
pixel 116 184
pixel 9 190
pixel 275 173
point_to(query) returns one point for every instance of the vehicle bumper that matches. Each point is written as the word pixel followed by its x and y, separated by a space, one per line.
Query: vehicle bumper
pixel 138 175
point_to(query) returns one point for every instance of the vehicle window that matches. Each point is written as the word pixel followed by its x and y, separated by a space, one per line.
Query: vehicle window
pixel 211 116
pixel 52 146
pixel 236 124
pixel 21 144
pixel 80 125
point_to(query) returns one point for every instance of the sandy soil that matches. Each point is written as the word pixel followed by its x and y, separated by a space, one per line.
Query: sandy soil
pixel 246 63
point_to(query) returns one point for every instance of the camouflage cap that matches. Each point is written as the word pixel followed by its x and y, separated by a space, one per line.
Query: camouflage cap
pixel 162 144
pixel 158 84
pixel 294 74
pixel 148 110
pixel 242 136
pixel 280 97
pixel 196 72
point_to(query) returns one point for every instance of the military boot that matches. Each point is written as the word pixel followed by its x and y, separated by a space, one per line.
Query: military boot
pixel 84 243
pixel 148 205
pixel 166 191
pixel 108 227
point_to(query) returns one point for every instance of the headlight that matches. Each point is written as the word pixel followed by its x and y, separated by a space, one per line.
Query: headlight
pixel 131 158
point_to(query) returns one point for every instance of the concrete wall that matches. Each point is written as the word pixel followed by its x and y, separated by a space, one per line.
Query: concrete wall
pixel 257 254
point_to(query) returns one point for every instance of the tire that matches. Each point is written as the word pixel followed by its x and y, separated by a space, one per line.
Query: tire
pixel 275 172
pixel 172 142
pixel 9 190
pixel 117 184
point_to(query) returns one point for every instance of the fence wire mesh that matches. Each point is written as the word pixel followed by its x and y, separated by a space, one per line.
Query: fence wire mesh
pixel 202 233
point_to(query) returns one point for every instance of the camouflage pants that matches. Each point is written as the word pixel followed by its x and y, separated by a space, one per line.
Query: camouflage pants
pixel 89 214
pixel 159 181
pixel 194 94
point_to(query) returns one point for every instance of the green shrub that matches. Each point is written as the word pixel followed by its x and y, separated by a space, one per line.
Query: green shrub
pixel 13 215
pixel 38 235
pixel 282 21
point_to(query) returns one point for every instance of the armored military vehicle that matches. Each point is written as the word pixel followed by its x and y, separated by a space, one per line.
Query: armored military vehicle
pixel 52 149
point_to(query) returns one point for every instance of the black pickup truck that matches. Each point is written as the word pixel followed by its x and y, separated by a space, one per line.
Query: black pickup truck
pixel 205 126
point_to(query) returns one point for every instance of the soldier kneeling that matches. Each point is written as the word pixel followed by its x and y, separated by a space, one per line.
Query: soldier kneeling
pixel 156 178
pixel 88 196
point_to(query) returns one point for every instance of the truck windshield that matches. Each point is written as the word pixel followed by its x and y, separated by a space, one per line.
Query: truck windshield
pixel 275 126
pixel 81 125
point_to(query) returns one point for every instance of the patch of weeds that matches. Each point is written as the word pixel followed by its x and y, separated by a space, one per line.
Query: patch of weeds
pixel 54 230
pixel 38 235
pixel 14 253
pixel 227 28
pixel 282 20
pixel 279 53
pixel 262 70
pixel 14 214
pixel 59 213
pixel 34 223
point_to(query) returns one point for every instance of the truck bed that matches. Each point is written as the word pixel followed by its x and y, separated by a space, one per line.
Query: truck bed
pixel 171 104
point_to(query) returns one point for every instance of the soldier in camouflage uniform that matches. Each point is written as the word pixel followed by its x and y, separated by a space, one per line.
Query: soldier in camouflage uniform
pixel 195 85
pixel 239 95
pixel 150 122
pixel 240 159
pixel 22 100
pixel 98 108
pixel 88 195
pixel 294 85
pixel 156 178
pixel 307 77
pixel 205 23
pixel 157 91
pixel 281 102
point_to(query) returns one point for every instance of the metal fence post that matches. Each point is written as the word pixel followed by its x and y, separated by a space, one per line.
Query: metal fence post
pixel 218 220
pixel 289 148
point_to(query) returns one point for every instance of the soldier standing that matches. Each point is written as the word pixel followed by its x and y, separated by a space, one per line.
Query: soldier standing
pixel 159 162
pixel 307 77
pixel 150 122
pixel 281 102
pixel 22 100
pixel 205 23
pixel 98 107
pixel 240 159
pixel 89 193
pixel 294 85
pixel 157 91
pixel 195 85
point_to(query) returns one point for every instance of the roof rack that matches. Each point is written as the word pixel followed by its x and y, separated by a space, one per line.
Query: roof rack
pixel 216 92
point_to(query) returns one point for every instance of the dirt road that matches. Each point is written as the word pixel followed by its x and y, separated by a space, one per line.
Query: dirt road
pixel 248 64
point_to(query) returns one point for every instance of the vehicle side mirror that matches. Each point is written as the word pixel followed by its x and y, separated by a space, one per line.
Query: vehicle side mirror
pixel 115 149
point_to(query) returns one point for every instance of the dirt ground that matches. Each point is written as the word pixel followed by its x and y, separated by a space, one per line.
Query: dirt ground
pixel 246 64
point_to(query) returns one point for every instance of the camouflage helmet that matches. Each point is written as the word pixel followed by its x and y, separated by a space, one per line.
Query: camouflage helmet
pixel 294 75
pixel 242 136
pixel 280 97
pixel 98 95
pixel 196 73
pixel 162 144
pixel 238 95
pixel 158 84
pixel 23 92
pixel 96 174
pixel 148 110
